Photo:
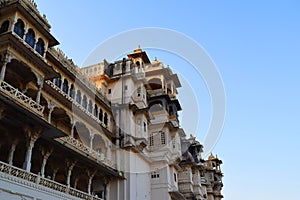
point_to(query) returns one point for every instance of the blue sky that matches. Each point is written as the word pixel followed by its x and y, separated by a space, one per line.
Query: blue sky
pixel 256 47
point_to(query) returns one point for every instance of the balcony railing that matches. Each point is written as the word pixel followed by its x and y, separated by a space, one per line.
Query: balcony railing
pixel 36 179
pixel 91 152
pixel 21 98
pixel 75 103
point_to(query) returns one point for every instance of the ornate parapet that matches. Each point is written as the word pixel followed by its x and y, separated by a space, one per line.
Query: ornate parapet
pixel 38 183
pixel 21 98
pixel 99 157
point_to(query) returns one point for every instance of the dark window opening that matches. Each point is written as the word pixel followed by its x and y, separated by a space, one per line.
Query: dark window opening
pixel 40 46
pixel 30 38
pixel 96 110
pixel 19 28
pixel 90 108
pixel 4 26
pixel 105 120
pixel 72 91
pixel 65 86
pixel 84 102
pixel 78 97
pixel 101 114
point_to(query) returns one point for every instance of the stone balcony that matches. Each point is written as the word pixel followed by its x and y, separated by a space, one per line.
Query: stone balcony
pixel 77 104
pixel 21 98
pixel 99 157
pixel 35 184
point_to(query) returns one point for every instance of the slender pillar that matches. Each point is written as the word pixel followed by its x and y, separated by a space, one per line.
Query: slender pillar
pixel 11 152
pixel 40 83
pixel 75 182
pixel 73 123
pixel 62 83
pixel 46 152
pixel 91 140
pixel 55 170
pixel 6 60
pixel 32 135
pixel 91 175
pixel 70 166
pixel 51 107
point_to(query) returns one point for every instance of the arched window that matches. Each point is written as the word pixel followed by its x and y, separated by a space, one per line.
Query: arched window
pixel 84 102
pixel 65 86
pixel 96 110
pixel 105 119
pixel 90 107
pixel 19 28
pixel 101 115
pixel 40 46
pixel 57 81
pixel 30 38
pixel 4 26
pixel 72 91
pixel 78 97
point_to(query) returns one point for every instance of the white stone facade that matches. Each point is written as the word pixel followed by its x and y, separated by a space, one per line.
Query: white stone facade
pixel 107 131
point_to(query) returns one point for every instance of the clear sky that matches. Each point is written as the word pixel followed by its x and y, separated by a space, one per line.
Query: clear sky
pixel 256 47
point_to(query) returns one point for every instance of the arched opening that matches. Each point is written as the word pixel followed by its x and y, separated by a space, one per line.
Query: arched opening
pixel 19 75
pixel 65 86
pixel 155 83
pixel 78 97
pixel 4 26
pixel 101 115
pixel 84 101
pixel 138 64
pixel 61 120
pixel 99 144
pixel 19 28
pixel 40 46
pixel 90 107
pixel 105 119
pixel 57 81
pixel 30 38
pixel 82 133
pixel 72 91
pixel 95 110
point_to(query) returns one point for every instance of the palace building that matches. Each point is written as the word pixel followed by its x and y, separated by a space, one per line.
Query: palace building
pixel 107 131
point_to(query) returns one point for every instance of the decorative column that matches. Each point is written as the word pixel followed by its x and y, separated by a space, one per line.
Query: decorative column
pixel 91 175
pixel 51 107
pixel 92 135
pixel 12 151
pixel 62 83
pixel 70 166
pixel 73 123
pixel 6 60
pixel 32 136
pixel 40 82
pixel 46 152
pixel 75 182
pixel 55 170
